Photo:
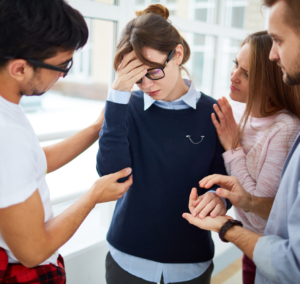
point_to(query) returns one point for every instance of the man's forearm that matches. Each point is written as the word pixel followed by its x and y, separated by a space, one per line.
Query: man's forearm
pixel 60 154
pixel 61 228
pixel 244 239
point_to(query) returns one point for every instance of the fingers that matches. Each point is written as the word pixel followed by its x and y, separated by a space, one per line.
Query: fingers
pixel 218 112
pixel 215 122
pixel 127 59
pixel 128 182
pixel 239 199
pixel 219 210
pixel 209 181
pixel 192 220
pixel 222 192
pixel 222 106
pixel 123 173
pixel 224 181
pixel 207 198
pixel 137 75
pixel 227 104
pixel 192 199
pixel 132 66
pixel 209 207
pixel 208 223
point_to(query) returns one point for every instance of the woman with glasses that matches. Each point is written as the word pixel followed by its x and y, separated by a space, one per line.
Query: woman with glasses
pixel 165 134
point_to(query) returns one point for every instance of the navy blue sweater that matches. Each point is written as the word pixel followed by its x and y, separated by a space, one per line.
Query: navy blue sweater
pixel 148 221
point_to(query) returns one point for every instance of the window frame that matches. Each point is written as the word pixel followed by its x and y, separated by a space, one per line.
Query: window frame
pixel 122 12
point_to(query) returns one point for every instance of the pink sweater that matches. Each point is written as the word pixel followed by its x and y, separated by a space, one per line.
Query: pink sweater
pixel 266 143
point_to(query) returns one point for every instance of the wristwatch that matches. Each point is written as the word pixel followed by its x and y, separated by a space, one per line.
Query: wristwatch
pixel 229 224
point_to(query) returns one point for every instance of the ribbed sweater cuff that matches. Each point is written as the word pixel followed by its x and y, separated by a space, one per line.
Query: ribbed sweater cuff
pixel 230 155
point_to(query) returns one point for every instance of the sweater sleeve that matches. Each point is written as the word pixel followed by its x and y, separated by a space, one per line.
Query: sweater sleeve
pixel 114 149
pixel 217 167
pixel 276 149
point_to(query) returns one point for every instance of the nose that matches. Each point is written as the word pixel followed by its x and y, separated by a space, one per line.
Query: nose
pixel 274 56
pixel 234 75
pixel 147 83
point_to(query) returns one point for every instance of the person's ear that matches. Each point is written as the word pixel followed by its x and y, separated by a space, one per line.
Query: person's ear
pixel 179 51
pixel 19 69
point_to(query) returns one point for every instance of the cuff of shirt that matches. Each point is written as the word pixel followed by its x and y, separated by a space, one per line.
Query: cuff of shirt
pixel 228 156
pixel 118 97
pixel 223 199
pixel 262 257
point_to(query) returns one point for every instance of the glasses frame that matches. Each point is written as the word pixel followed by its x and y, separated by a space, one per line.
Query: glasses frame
pixel 45 65
pixel 162 69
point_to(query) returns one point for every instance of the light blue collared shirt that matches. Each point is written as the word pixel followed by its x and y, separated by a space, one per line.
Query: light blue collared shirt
pixel 143 268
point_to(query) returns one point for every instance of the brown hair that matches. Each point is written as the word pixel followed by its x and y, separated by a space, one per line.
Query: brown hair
pixel 265 83
pixel 291 14
pixel 151 28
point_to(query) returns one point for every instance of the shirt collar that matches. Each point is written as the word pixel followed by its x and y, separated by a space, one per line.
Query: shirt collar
pixel 190 98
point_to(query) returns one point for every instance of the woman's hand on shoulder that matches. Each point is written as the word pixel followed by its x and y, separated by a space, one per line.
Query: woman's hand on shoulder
pixel 130 71
pixel 226 127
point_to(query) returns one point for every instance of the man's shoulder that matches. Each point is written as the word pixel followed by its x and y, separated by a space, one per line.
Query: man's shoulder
pixel 13 135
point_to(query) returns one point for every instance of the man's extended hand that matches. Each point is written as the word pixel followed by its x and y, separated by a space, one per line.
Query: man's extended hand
pixel 208 223
pixel 230 189
pixel 206 204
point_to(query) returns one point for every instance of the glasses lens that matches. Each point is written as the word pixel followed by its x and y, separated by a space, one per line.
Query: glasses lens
pixel 155 74
pixel 68 65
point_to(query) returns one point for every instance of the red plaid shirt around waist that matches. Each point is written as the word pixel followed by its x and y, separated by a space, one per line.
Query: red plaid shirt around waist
pixel 14 273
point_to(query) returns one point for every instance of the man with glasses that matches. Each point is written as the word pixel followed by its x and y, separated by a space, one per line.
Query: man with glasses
pixel 277 253
pixel 38 39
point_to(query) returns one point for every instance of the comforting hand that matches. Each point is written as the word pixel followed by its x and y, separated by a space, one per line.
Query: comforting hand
pixel 130 71
pixel 206 204
pixel 107 188
pixel 226 126
pixel 208 223
pixel 230 189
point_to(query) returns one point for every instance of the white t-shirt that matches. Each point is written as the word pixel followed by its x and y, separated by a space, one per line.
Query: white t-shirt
pixel 23 165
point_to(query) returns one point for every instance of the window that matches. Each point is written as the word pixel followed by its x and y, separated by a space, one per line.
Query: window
pixel 214 30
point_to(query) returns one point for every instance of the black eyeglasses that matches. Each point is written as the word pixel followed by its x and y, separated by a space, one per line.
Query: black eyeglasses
pixel 64 70
pixel 157 73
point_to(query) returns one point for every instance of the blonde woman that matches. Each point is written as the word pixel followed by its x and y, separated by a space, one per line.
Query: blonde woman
pixel 256 135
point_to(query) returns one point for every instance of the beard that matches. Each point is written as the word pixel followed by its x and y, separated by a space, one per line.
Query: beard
pixel 291 80
pixel 33 89
pixel 33 93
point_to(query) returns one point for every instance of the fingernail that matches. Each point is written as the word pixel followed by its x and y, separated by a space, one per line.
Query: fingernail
pixel 128 170
pixel 194 214
pixel 201 216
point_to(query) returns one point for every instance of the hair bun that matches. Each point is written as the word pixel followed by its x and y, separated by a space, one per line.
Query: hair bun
pixel 155 9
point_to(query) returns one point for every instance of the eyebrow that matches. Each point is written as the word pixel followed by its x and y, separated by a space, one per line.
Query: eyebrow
pixel 273 35
pixel 241 67
pixel 65 62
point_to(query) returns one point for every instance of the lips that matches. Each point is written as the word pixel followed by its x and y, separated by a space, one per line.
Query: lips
pixel 152 94
pixel 233 88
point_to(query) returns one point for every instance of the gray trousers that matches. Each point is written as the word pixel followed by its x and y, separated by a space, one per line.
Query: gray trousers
pixel 116 275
